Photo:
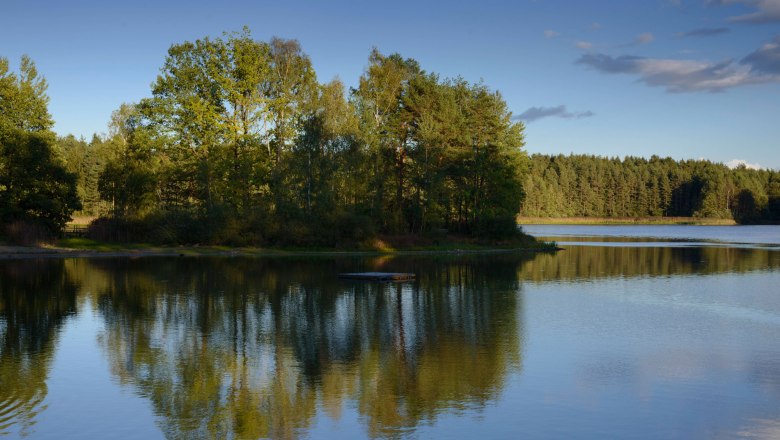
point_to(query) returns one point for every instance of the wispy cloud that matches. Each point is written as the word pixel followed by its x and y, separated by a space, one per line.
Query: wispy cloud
pixel 645 38
pixel 584 45
pixel 560 111
pixel 640 39
pixel 549 33
pixel 736 163
pixel 766 59
pixel 595 26
pixel 767 11
pixel 704 32
pixel 759 67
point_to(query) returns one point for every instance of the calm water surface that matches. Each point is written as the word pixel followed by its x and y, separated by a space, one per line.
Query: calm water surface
pixel 597 341
pixel 670 235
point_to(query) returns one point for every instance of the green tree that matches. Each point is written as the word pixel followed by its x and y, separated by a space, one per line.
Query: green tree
pixel 34 185
pixel 773 192
pixel 23 99
pixel 490 165
pixel 385 127
pixel 128 179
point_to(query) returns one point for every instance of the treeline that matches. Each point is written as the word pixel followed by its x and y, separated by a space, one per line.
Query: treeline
pixel 591 186
pixel 239 143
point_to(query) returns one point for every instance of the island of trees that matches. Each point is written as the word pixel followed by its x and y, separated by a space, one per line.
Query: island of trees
pixel 239 143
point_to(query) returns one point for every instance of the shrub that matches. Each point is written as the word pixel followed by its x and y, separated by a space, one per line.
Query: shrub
pixel 28 233
pixel 118 230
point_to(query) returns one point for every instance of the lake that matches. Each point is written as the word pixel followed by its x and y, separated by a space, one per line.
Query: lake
pixel 652 332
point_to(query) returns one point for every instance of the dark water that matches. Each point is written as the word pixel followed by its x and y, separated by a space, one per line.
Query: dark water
pixel 592 342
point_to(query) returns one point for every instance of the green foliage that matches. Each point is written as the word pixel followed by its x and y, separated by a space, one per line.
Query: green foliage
pixel 773 198
pixel 240 138
pixel 588 186
pixel 23 100
pixel 88 160
pixel 34 186
pixel 36 191
pixel 127 181
pixel 444 154
pixel 240 144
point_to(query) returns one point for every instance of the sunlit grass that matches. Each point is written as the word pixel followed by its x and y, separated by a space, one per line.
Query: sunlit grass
pixel 94 245
pixel 81 220
pixel 384 245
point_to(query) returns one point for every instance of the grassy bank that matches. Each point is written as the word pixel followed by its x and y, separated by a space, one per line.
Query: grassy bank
pixel 625 221
pixel 384 244
pixel 83 247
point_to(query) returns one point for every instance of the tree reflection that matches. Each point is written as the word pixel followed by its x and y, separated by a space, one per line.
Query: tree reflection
pixel 35 298
pixel 253 347
pixel 243 347
pixel 584 262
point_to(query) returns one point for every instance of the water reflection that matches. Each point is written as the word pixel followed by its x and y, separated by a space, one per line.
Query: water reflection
pixel 249 348
pixel 35 299
pixel 588 262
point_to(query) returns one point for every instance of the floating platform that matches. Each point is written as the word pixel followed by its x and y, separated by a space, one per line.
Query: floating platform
pixel 377 276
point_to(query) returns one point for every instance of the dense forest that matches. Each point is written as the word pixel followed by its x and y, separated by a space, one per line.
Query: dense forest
pixel 239 143
pixel 590 186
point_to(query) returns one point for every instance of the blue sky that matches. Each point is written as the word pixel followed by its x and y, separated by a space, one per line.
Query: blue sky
pixel 682 78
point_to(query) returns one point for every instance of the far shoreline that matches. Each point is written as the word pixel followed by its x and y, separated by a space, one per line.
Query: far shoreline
pixel 693 221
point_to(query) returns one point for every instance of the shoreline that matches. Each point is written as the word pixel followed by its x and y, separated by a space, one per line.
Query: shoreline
pixel 694 221
pixel 8 252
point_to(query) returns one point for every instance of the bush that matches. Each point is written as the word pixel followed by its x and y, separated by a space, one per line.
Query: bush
pixel 239 232
pixel 118 230
pixel 352 228
pixel 163 227
pixel 497 227
pixel 178 227
pixel 29 233
pixel 220 227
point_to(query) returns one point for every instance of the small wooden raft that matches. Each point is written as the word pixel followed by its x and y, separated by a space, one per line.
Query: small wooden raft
pixel 377 276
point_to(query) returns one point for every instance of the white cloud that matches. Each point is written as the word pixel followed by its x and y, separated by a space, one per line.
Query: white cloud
pixel 549 33
pixel 584 45
pixel 736 163
pixel 644 38
pixel 675 75
pixel 684 75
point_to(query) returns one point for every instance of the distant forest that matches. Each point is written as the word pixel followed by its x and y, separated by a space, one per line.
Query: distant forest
pixel 590 186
